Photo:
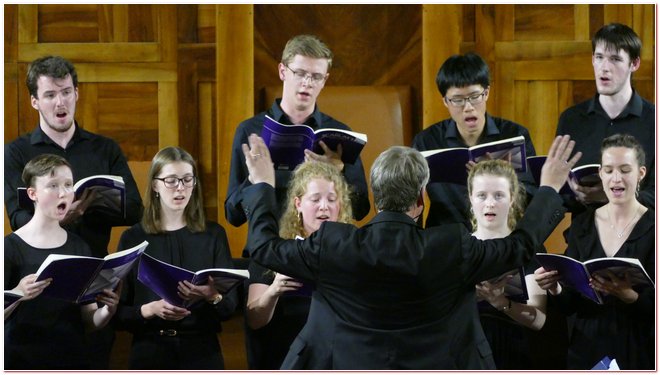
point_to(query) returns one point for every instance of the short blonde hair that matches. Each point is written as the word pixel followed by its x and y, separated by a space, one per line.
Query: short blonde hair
pixel 308 46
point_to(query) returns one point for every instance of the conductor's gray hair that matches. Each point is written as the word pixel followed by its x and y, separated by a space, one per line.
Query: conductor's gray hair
pixel 397 178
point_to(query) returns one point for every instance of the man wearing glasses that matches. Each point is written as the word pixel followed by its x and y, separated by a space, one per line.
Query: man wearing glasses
pixel 464 83
pixel 303 71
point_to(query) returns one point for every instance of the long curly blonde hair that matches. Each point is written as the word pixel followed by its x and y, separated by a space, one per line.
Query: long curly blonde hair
pixel 500 168
pixel 291 224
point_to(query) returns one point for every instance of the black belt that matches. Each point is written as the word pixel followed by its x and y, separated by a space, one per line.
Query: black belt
pixel 170 332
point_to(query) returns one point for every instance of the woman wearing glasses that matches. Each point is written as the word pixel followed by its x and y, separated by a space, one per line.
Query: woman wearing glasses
pixel 464 83
pixel 166 336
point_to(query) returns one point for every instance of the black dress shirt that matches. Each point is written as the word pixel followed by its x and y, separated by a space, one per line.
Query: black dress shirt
pixel 449 202
pixel 89 154
pixel 238 173
pixel 588 124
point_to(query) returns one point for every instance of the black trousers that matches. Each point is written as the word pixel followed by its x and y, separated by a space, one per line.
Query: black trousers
pixel 100 347
pixel 185 351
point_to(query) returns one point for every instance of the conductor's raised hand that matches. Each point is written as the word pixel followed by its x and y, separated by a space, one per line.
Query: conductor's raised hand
pixel 559 162
pixel 257 159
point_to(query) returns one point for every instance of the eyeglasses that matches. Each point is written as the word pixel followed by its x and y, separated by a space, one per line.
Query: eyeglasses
pixel 301 75
pixel 173 182
pixel 473 99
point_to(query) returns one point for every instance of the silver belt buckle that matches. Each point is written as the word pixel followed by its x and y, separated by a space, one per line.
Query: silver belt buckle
pixel 167 332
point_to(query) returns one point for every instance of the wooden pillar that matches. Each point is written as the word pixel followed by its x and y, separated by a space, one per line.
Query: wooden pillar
pixel 235 96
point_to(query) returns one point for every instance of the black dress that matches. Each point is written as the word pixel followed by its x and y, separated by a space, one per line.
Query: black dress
pixel 195 345
pixel 268 345
pixel 625 332
pixel 508 339
pixel 42 333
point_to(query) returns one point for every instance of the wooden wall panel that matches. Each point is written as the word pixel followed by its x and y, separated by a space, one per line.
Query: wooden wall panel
pixel 159 75
pixel 28 23
pixel 142 23
pixel 544 22
pixel 442 32
pixel 128 106
pixel 372 44
pixel 206 23
pixel 11 33
pixel 11 96
pixel 168 54
pixel 74 23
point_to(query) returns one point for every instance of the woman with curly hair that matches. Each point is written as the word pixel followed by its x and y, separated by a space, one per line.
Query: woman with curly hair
pixel 277 305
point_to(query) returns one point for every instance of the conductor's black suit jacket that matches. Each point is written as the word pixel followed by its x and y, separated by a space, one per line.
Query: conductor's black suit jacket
pixel 391 295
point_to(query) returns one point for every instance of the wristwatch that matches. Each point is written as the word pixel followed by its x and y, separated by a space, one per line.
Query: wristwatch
pixel 216 300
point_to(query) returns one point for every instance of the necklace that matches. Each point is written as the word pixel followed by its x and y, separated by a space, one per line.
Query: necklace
pixel 620 234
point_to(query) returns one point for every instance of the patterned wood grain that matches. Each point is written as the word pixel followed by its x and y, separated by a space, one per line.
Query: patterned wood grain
pixel 11 96
pixel 444 24
pixel 205 23
pixel 73 23
pixel 11 33
pixel 375 44
pixel 544 22
pixel 156 75
pixel 234 97
pixel 188 74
